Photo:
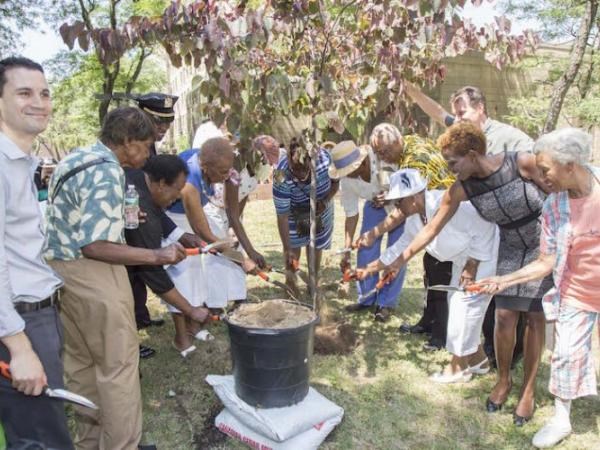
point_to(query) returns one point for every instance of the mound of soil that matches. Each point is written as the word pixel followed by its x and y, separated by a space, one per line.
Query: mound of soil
pixel 275 314
pixel 335 339
pixel 209 436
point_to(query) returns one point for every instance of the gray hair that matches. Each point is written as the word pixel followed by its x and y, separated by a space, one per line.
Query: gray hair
pixel 567 145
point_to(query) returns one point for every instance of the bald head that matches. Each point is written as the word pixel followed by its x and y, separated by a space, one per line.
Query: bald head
pixel 216 159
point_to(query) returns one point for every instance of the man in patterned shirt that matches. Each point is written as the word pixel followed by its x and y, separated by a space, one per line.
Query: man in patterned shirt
pixel 86 247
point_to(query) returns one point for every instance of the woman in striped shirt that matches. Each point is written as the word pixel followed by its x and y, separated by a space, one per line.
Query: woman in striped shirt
pixel 291 195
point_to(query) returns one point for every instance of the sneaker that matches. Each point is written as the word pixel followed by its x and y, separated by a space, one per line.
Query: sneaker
pixel 551 434
pixel 382 314
pixel 355 307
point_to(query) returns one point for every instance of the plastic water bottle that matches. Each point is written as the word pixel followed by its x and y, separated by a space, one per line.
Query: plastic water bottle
pixel 132 208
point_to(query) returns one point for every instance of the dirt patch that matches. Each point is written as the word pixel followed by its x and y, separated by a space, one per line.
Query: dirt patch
pixel 275 314
pixel 335 339
pixel 209 435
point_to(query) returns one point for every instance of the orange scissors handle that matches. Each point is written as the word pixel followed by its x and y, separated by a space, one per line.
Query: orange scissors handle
pixel 263 275
pixel 192 251
pixel 385 280
pixel 474 288
pixel 5 370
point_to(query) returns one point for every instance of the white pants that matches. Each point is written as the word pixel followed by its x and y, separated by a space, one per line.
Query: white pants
pixel 466 311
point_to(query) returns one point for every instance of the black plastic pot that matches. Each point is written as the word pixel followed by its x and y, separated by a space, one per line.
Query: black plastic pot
pixel 271 366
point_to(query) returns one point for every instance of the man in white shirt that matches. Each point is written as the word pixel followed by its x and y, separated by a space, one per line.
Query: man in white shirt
pixel 470 243
pixel 364 176
pixel 30 328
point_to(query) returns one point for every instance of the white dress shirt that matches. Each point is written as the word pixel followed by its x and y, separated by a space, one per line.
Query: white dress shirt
pixel 24 275
pixel 466 235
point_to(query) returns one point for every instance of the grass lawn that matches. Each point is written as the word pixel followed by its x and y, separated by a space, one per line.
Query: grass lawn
pixel 383 387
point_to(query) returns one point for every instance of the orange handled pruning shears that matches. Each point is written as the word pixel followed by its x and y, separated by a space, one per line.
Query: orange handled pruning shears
pixel 62 394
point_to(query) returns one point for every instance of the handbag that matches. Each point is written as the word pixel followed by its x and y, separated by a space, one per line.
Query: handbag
pixel 301 216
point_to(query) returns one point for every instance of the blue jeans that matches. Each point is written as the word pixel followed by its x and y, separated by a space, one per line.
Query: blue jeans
pixel 388 295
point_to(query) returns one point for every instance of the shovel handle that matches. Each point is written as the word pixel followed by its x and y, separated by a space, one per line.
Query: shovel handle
pixel 5 370
pixel 385 280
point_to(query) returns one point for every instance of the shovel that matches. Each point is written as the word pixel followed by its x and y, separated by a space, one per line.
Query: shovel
pixel 62 394
pixel 472 288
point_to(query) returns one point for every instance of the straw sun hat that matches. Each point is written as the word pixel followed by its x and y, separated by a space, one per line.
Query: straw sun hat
pixel 346 158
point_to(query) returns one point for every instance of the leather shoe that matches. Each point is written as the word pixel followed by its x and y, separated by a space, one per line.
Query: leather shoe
pixel 150 323
pixel 551 434
pixel 146 352
pixel 355 307
pixel 382 314
pixel 412 329
pixel 432 346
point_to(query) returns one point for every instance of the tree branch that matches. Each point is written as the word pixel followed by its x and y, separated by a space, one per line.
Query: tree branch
pixel 138 69
pixel 566 80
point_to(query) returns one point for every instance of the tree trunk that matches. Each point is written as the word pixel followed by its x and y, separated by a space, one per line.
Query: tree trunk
pixel 108 87
pixel 312 254
pixel 566 80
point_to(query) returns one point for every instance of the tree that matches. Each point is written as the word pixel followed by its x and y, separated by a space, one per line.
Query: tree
pixel 340 62
pixel 75 119
pixel 97 25
pixel 16 16
pixel 560 19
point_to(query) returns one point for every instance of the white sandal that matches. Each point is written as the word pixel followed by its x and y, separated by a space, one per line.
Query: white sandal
pixel 204 335
pixel 186 352
pixel 477 369
pixel 459 377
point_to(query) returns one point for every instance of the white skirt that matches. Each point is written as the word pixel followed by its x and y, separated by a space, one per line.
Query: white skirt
pixel 466 311
pixel 188 275
pixel 225 280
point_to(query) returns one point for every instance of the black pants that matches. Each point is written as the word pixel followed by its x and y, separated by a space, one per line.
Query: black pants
pixel 435 313
pixel 42 418
pixel 140 297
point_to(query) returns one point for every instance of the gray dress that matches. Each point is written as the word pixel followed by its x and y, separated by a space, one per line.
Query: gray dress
pixel 515 205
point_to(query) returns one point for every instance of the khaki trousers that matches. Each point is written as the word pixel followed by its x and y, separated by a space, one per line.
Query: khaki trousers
pixel 101 354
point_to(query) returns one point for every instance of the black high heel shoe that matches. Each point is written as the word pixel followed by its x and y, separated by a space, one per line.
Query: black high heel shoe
pixel 519 421
pixel 492 407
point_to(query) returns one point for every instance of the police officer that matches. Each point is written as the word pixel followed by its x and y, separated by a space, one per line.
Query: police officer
pixel 159 107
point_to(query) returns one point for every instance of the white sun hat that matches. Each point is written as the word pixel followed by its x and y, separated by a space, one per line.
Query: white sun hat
pixel 346 157
pixel 206 131
pixel 404 183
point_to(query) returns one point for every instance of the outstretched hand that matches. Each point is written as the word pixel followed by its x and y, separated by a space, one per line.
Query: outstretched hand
pixel 492 285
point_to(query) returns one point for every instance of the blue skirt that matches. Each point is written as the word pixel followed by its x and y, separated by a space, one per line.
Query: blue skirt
pixel 323 237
